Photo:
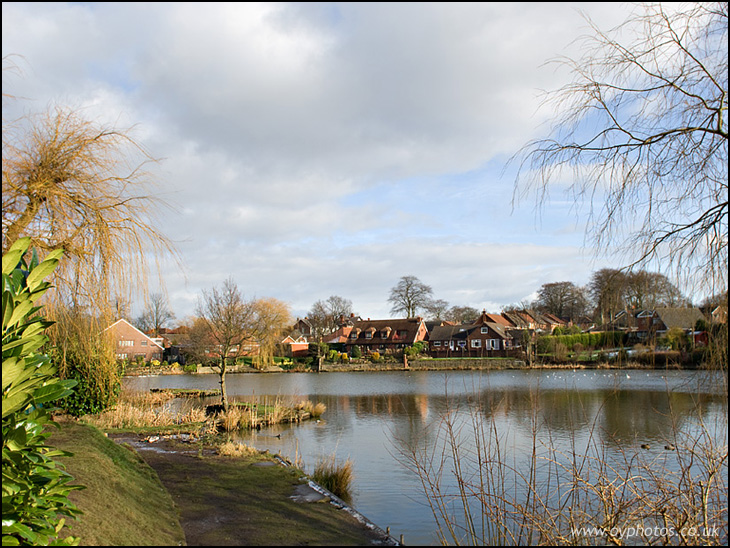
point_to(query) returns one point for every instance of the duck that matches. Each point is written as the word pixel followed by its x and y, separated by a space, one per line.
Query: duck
pixel 645 446
pixel 669 447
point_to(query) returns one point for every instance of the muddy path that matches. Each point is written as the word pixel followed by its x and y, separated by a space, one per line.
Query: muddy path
pixel 249 501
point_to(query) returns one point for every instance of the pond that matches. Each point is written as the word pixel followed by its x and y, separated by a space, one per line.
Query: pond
pixel 377 419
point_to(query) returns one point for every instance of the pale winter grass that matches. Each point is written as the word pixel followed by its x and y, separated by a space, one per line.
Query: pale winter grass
pixel 135 410
pixel 233 449
pixel 266 411
pixel 238 418
pixel 315 410
pixel 480 494
pixel 335 477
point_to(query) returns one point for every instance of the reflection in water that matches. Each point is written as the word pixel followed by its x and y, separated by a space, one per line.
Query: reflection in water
pixel 374 418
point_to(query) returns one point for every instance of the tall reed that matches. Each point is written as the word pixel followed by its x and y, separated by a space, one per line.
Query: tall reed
pixel 135 410
pixel 483 491
pixel 335 477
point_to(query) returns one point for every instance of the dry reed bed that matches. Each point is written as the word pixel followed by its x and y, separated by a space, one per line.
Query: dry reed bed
pixel 153 409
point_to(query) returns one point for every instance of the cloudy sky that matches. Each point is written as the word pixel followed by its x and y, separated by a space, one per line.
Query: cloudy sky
pixel 318 149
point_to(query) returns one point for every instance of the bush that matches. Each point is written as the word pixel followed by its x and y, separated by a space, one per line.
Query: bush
pixel 35 488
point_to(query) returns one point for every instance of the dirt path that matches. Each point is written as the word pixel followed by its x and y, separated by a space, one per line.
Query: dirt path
pixel 225 501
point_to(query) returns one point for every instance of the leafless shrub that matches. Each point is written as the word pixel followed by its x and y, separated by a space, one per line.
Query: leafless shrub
pixel 482 491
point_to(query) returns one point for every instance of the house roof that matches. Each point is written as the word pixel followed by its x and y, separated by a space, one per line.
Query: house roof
pixel 339 336
pixel 498 318
pixel 456 332
pixel 516 319
pixel 125 323
pixel 685 318
pixel 393 328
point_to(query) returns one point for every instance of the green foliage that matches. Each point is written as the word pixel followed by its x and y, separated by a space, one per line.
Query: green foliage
pixel 356 352
pixel 34 487
pixel 675 338
pixel 547 344
pixel 96 391
pixel 414 350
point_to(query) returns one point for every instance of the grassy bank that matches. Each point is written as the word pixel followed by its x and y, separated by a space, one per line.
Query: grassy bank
pixel 124 502
pixel 173 493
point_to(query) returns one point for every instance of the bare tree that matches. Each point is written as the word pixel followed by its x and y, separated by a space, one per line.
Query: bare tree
pixel 643 127
pixel 651 290
pixel 156 314
pixel 607 289
pixel 437 309
pixel 227 319
pixel 564 299
pixel 462 314
pixel 325 315
pixel 409 295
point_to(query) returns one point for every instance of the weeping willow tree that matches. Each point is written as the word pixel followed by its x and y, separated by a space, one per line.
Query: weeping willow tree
pixel 271 318
pixel 73 184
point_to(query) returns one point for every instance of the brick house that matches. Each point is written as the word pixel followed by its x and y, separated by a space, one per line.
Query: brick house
pixel 131 344
pixel 385 336
pixel 295 347
pixel 660 320
pixel 483 338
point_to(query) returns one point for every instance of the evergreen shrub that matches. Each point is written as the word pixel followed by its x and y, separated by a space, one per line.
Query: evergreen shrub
pixel 34 487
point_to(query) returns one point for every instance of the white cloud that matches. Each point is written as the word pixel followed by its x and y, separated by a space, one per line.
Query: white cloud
pixel 320 149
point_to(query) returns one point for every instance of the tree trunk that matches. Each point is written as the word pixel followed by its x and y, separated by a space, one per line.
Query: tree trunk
pixel 224 394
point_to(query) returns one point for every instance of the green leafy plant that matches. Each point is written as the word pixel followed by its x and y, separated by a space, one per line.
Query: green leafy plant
pixel 34 487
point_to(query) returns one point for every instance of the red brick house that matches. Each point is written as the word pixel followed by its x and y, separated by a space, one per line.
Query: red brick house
pixel 132 344
pixel 483 338
pixel 295 347
pixel 385 336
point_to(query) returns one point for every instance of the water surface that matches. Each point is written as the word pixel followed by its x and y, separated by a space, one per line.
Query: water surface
pixel 376 418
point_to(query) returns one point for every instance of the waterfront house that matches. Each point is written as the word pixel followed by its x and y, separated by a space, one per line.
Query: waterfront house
pixel 385 336
pixel 483 338
pixel 295 347
pixel 660 320
pixel 131 344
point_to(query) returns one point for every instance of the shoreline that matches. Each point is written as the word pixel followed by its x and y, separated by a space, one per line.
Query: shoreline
pixel 437 364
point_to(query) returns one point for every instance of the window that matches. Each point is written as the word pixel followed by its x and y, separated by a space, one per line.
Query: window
pixel 437 343
pixel 126 343
pixel 143 343
pixel 368 335
pixel 476 343
pixel 485 330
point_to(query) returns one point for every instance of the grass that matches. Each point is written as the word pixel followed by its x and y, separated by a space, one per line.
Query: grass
pixel 137 410
pixel 124 502
pixel 232 494
pixel 336 478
